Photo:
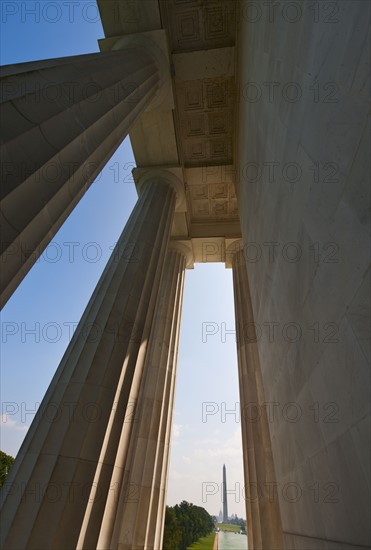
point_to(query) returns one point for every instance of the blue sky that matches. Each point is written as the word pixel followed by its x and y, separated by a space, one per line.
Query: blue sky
pixel 37 322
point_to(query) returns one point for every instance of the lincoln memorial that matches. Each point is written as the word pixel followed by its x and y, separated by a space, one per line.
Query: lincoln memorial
pixel 250 130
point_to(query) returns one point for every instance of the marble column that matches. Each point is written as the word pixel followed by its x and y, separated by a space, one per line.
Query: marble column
pixel 155 526
pixel 128 520
pixel 247 395
pixel 62 120
pixel 83 426
pixel 262 506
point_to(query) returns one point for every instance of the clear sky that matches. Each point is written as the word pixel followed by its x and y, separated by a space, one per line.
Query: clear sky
pixel 37 322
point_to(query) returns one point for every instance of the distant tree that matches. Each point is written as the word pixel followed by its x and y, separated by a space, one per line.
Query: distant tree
pixel 184 524
pixel 172 532
pixel 235 520
pixel 6 462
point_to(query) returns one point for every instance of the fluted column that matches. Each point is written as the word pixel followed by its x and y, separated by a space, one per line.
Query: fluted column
pixel 262 506
pixel 74 454
pixel 62 119
pixel 127 520
pixel 156 519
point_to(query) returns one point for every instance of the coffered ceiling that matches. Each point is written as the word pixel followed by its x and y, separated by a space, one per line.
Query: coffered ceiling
pixel 199 24
pixel 196 134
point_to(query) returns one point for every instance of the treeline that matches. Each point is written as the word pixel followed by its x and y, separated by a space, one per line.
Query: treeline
pixel 184 524
pixel 235 520
pixel 6 462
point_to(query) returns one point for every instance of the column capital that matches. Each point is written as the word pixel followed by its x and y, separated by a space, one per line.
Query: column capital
pixel 185 247
pixel 154 44
pixel 142 176
pixel 231 249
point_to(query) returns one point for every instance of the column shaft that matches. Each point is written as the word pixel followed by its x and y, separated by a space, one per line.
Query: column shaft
pixel 62 121
pixel 247 395
pixel 148 456
pixel 156 519
pixel 262 508
pixel 91 391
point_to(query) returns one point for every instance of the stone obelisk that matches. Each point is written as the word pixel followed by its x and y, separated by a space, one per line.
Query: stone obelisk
pixel 225 505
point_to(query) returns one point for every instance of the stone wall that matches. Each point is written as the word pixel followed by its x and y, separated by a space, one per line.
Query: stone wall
pixel 303 125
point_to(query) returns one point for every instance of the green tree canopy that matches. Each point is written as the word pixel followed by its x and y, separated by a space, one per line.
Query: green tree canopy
pixel 184 524
pixel 6 462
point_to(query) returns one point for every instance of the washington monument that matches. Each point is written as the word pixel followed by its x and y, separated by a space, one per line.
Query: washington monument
pixel 225 504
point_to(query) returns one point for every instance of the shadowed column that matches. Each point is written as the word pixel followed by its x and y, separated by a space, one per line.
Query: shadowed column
pixel 62 119
pixel 83 426
pixel 247 395
pixel 262 507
